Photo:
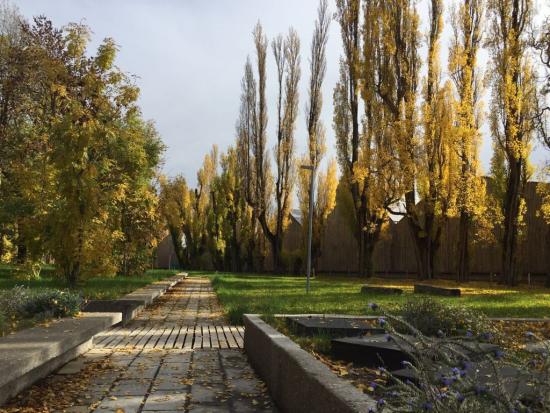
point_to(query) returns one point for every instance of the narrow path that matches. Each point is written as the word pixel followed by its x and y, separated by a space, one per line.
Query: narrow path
pixel 178 356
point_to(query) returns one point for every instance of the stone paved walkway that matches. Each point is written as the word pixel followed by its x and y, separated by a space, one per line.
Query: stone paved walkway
pixel 177 356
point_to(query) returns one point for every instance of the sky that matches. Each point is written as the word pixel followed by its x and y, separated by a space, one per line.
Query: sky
pixel 188 58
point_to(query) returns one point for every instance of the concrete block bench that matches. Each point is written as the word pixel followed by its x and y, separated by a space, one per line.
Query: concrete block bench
pixel 430 289
pixel 129 309
pixel 374 289
pixel 132 304
pixel 149 293
pixel 32 354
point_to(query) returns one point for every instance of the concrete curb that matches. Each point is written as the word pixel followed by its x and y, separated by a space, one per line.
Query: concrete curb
pixel 32 354
pixel 296 380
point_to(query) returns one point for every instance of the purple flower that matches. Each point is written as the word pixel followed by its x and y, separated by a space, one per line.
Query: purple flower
pixel 469 333
pixel 388 337
pixel 455 371
pixel 373 306
pixel 373 384
pixel 381 402
pixel 408 382
pixel 447 381
pixel 381 321
pixel 427 406
pixel 381 369
pixel 499 354
pixel 460 397
pixel 486 336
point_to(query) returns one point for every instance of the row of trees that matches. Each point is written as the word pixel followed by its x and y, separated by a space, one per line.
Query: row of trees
pixel 77 161
pixel 414 149
pixel 240 209
pixel 417 153
pixel 407 145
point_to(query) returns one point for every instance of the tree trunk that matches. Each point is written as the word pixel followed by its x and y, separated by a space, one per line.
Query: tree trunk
pixel 276 252
pixel 250 255
pixel 21 252
pixel 72 274
pixel 422 244
pixel 361 250
pixel 178 248
pixel 368 260
pixel 235 251
pixel 463 267
pixel 511 216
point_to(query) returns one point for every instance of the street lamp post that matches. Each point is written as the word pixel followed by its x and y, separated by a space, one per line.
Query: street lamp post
pixel 310 226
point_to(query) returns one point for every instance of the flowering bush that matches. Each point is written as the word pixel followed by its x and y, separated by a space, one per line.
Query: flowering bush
pixel 457 374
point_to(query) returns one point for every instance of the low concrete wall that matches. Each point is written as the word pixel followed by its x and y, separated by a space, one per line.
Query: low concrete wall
pixel 296 380
pixel 32 354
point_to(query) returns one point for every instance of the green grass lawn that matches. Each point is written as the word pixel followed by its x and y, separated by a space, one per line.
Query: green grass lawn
pixel 265 294
pixel 91 288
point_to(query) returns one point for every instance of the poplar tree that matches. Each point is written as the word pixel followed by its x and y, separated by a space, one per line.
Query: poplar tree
pixel 325 199
pixel 359 156
pixel 396 83
pixel 259 184
pixel 513 114
pixel 467 26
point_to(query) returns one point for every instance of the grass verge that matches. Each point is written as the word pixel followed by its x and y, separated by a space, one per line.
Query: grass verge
pixel 267 294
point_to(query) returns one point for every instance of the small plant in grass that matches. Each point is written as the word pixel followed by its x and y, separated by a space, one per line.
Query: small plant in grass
pixel 444 378
pixel 431 316
pixel 235 314
pixel 215 281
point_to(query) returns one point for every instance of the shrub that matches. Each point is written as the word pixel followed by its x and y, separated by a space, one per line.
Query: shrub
pixel 13 300
pixel 22 302
pixel 448 381
pixel 51 303
pixel 431 317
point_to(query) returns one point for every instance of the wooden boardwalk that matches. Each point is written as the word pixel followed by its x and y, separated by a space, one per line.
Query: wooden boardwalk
pixel 176 337
pixel 187 317
pixel 177 356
